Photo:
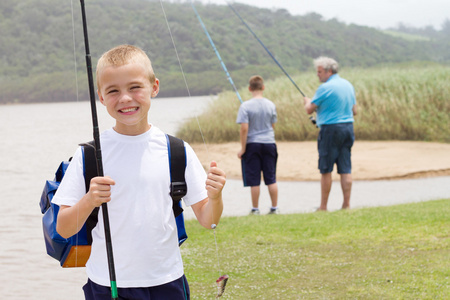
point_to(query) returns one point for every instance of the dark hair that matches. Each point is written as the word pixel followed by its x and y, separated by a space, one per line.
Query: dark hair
pixel 256 83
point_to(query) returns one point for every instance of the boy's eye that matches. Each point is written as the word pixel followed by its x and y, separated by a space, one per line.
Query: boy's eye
pixel 111 91
pixel 135 87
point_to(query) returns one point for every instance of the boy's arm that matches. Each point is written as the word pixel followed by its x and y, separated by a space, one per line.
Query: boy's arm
pixel 209 210
pixel 72 218
pixel 243 138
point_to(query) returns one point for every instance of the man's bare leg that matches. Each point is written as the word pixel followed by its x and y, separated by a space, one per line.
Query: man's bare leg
pixel 346 184
pixel 325 183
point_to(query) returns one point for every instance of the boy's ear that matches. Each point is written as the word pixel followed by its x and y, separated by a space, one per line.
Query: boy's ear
pixel 155 88
pixel 100 97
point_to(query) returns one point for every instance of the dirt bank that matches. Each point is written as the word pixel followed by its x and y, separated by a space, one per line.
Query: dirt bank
pixel 297 161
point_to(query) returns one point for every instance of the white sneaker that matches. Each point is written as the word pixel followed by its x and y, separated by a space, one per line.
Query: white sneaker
pixel 254 212
pixel 274 211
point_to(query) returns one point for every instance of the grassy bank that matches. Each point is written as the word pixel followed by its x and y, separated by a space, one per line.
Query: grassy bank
pixel 401 103
pixel 396 252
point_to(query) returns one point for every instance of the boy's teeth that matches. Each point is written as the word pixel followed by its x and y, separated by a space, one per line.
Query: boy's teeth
pixel 128 109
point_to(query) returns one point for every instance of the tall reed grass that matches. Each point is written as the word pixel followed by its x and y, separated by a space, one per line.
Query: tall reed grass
pixel 394 103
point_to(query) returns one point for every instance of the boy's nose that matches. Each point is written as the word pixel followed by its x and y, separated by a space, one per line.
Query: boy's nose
pixel 125 97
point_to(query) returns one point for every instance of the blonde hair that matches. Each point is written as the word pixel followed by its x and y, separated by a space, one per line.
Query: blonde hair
pixel 256 83
pixel 327 64
pixel 122 55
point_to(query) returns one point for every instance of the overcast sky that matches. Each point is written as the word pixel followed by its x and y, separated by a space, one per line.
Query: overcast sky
pixel 375 13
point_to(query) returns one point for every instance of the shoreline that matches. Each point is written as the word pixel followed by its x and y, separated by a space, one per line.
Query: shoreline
pixel 371 160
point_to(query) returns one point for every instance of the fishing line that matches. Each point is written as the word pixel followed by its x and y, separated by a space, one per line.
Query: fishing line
pixel 76 85
pixel 184 77
pixel 74 51
pixel 213 226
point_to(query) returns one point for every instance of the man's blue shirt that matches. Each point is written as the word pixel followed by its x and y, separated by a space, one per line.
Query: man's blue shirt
pixel 335 99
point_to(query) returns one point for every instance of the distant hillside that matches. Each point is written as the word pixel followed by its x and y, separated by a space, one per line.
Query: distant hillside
pixel 37 51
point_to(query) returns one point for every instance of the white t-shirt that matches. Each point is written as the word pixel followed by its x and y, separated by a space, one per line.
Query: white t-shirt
pixel 143 229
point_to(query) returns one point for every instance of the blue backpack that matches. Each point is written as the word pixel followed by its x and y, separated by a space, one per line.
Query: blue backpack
pixel 75 251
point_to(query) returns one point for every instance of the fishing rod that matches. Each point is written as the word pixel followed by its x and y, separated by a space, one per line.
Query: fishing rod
pixel 311 118
pixel 98 155
pixel 267 50
pixel 217 52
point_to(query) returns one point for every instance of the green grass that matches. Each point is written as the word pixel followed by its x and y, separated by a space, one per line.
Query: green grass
pixel 395 252
pixel 405 102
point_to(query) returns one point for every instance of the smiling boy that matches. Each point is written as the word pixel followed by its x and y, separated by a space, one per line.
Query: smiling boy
pixel 136 187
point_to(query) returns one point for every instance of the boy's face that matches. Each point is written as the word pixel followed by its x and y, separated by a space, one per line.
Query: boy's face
pixel 126 92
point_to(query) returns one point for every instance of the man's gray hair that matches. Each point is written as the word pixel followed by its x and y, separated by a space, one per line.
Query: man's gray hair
pixel 327 64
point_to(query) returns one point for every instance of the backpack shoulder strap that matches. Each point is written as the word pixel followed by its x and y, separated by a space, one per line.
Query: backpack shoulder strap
pixel 177 163
pixel 90 171
pixel 90 163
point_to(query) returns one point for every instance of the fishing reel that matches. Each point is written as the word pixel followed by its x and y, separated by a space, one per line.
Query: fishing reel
pixel 313 120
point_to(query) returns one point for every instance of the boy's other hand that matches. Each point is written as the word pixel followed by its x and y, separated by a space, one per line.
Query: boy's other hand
pixel 100 190
pixel 241 153
pixel 215 181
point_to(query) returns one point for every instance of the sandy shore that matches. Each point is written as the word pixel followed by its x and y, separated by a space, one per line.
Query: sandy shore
pixel 297 161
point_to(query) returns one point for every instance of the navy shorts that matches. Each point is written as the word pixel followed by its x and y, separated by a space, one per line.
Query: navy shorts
pixel 334 143
pixel 256 159
pixel 175 290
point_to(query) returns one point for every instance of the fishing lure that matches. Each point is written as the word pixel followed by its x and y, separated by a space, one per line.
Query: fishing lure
pixel 221 283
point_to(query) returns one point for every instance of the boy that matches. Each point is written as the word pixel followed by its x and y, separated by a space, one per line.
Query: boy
pixel 257 117
pixel 136 184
